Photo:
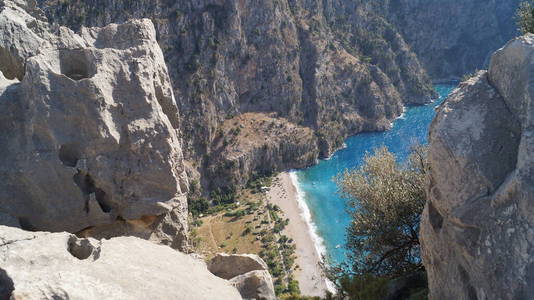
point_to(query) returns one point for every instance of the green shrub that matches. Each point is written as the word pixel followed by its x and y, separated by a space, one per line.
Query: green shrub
pixel 226 195
pixel 197 206
pixel 365 287
pixel 247 231
pixel 385 200
pixel 525 16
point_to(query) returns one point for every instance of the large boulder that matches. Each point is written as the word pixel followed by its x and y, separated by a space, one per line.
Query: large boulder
pixel 247 272
pixel 477 228
pixel 228 266
pixel 92 142
pixel 39 265
pixel 255 285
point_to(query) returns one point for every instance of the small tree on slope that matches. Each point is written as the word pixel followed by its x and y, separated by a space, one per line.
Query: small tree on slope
pixel 385 200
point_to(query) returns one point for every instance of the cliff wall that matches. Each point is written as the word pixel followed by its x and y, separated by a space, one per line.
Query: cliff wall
pixel 476 231
pixel 288 58
pixel 454 37
pixel 91 141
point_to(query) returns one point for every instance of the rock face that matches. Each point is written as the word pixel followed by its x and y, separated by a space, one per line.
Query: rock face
pixel 248 273
pixel 257 285
pixel 477 228
pixel 42 265
pixel 228 266
pixel 252 145
pixel 292 61
pixel 93 139
pixel 453 38
pixel 304 61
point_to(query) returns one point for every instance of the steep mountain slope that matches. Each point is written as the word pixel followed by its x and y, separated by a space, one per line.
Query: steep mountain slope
pixel 43 265
pixel 91 130
pixel 454 37
pixel 476 230
pixel 285 57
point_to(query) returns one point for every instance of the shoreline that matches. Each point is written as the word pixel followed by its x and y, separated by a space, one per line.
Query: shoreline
pixel 309 247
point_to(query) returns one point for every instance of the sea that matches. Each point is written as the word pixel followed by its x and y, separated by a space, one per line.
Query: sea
pixel 321 204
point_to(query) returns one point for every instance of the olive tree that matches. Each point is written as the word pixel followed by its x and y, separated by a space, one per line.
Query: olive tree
pixel 385 200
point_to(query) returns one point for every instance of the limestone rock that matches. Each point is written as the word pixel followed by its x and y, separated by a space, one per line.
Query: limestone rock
pixel 297 61
pixel 477 227
pixel 303 60
pixel 247 272
pixel 256 144
pixel 228 266
pixel 21 36
pixel 453 38
pixel 93 139
pixel 256 285
pixel 60 266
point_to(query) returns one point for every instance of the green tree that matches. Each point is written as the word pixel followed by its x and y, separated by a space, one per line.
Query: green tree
pixel 525 16
pixel 385 201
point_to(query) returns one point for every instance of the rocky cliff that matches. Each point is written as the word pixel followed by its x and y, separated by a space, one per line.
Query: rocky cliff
pixel 476 232
pixel 93 130
pixel 337 67
pixel 455 37
pixel 39 265
pixel 287 59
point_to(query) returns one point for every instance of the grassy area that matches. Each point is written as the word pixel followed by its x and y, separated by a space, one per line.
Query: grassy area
pixel 229 231
pixel 249 225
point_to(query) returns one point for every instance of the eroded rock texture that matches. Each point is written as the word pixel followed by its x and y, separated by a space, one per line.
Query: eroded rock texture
pixel 335 67
pixel 90 135
pixel 477 228
pixel 247 272
pixel 290 60
pixel 38 265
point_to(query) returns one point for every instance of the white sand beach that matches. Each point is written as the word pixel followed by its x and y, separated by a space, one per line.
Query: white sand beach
pixel 310 276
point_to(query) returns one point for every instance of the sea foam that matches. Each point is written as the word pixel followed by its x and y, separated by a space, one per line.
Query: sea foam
pixel 305 214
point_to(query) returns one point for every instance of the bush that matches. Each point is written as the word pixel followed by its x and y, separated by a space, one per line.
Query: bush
pixel 525 16
pixel 385 200
pixel 226 195
pixel 197 223
pixel 198 206
pixel 293 287
pixel 247 231
pixel 365 287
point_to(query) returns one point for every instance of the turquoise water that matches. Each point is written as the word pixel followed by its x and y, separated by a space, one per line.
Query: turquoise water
pixel 319 191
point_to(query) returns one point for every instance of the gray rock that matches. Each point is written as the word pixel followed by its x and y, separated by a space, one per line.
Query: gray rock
pixel 93 141
pixel 307 62
pixel 228 266
pixel 476 232
pixel 21 36
pixel 247 272
pixel 453 38
pixel 256 285
pixel 60 266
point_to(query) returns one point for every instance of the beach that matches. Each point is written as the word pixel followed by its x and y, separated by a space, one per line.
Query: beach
pixel 284 193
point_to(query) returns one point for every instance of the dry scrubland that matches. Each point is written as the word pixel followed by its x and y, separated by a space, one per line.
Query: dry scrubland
pixel 250 225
